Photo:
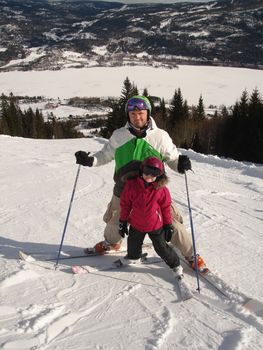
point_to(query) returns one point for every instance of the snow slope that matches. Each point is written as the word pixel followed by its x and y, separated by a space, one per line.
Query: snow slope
pixel 137 307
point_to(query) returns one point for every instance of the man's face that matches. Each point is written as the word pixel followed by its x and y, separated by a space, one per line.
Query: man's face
pixel 138 118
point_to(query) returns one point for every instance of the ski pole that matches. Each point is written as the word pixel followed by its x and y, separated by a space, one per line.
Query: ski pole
pixel 67 218
pixel 192 231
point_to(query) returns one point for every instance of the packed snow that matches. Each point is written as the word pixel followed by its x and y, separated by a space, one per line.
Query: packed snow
pixel 136 307
pixel 217 85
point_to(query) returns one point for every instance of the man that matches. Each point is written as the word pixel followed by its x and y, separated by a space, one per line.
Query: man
pixel 139 139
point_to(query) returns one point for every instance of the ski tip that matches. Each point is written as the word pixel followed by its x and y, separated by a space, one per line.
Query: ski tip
pixel 255 306
pixel 26 257
pixel 79 270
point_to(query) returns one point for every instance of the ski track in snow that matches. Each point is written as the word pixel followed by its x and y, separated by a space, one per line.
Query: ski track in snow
pixel 47 322
pixel 137 307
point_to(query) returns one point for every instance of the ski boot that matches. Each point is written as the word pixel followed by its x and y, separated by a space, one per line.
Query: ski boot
pixel 200 263
pixel 104 246
pixel 178 272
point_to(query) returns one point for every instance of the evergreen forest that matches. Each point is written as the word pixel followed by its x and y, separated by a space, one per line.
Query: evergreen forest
pixel 235 132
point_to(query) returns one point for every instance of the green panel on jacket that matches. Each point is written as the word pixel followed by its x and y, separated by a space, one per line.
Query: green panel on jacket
pixel 134 149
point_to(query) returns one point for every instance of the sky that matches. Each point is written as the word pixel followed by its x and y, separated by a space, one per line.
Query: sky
pixel 137 307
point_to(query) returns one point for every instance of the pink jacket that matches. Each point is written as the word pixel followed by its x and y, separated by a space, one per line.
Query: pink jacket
pixel 145 208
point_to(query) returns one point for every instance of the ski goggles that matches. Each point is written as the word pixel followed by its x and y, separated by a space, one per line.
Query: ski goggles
pixel 136 103
pixel 148 170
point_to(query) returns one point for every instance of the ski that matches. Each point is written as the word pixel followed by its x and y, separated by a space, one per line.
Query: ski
pixel 37 256
pixel 125 261
pixel 87 252
pixel 227 292
pixel 90 251
pixel 207 276
pixel 119 263
pixel 26 257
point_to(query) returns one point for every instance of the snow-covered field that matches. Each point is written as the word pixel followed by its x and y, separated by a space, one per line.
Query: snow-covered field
pixel 62 111
pixel 137 307
pixel 217 85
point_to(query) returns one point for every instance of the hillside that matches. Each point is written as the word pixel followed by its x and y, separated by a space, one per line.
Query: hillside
pixel 136 308
pixel 41 34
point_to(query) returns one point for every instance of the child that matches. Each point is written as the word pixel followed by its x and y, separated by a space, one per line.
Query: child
pixel 146 206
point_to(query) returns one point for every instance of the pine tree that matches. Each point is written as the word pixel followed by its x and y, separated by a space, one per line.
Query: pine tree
pixel 40 125
pixel 200 110
pixel 237 129
pixel 243 106
pixel 127 91
pixel 30 124
pixel 185 110
pixel 224 112
pixel 145 92
pixel 177 111
pixel 57 128
pixel 255 128
pixel 117 117
pixel 178 119
pixel 255 104
pixel 113 121
pixel 4 127
pixel 161 115
pixel 11 116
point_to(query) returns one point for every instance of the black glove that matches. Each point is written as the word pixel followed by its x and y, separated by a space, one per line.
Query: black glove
pixel 83 158
pixel 168 232
pixel 184 164
pixel 123 228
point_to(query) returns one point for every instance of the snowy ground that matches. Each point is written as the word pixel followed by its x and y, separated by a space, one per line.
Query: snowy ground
pixel 138 307
pixel 63 110
pixel 218 85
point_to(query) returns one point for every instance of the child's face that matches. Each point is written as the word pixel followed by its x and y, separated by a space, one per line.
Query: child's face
pixel 149 178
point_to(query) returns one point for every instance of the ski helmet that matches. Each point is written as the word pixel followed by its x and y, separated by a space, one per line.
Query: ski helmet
pixel 152 166
pixel 138 102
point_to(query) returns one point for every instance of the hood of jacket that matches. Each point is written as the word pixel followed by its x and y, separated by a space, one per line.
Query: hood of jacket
pixel 161 181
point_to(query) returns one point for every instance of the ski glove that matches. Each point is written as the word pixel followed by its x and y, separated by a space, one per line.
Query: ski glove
pixel 123 228
pixel 168 232
pixel 184 164
pixel 83 158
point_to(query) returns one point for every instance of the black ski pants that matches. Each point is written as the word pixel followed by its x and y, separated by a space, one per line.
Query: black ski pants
pixel 135 242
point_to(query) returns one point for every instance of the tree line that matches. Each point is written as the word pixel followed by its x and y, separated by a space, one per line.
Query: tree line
pixel 31 124
pixel 235 133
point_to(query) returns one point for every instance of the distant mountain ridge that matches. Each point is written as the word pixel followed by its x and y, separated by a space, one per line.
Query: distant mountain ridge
pixel 42 34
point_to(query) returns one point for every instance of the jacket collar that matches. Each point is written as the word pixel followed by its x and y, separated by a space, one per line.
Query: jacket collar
pixel 162 181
